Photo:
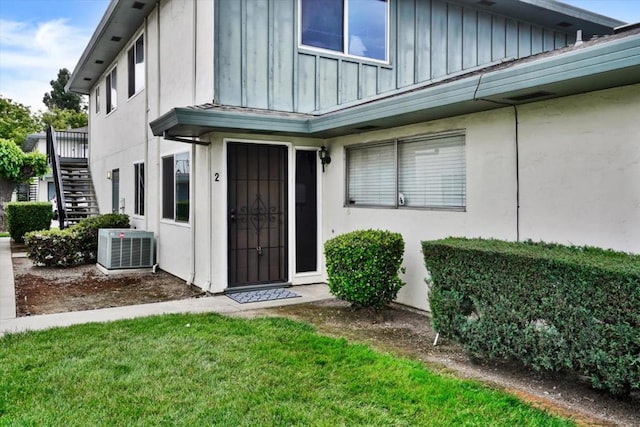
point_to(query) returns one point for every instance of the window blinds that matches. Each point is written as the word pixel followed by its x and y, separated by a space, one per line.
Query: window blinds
pixel 430 172
pixel 371 175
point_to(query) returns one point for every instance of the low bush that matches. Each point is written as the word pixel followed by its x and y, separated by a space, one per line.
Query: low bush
pixel 23 217
pixel 363 267
pixel 551 307
pixel 75 245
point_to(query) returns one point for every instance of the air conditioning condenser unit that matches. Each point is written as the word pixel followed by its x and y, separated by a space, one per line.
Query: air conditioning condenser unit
pixel 125 248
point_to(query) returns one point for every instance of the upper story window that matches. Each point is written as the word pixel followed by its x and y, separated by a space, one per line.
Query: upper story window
pixel 97 99
pixel 135 59
pixel 112 93
pixel 352 27
pixel 423 172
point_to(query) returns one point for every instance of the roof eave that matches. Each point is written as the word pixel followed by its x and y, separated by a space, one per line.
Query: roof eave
pixel 121 19
pixel 602 66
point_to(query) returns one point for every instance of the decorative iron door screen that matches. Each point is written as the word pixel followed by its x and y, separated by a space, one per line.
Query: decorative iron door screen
pixel 257 213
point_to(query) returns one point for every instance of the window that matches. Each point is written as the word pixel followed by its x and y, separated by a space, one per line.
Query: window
pixel 138 171
pixel 175 187
pixel 112 93
pixel 353 27
pixel 97 99
pixel 423 172
pixel 135 58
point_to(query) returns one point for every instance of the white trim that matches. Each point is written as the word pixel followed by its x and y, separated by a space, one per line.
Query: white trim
pixel 345 33
pixel 191 188
pixel 108 90
pixel 319 198
pixel 130 46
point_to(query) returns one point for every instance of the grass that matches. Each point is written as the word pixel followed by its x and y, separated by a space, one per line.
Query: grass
pixel 203 369
pixel 4 234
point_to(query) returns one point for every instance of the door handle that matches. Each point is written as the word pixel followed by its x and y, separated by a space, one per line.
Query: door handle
pixel 232 215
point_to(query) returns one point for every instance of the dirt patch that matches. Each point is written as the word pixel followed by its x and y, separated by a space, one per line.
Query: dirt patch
pixel 407 332
pixel 45 290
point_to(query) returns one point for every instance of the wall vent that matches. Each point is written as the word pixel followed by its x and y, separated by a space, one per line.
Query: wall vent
pixel 530 96
pixel 125 248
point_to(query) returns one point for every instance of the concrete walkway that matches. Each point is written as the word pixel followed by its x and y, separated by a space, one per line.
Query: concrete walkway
pixel 218 304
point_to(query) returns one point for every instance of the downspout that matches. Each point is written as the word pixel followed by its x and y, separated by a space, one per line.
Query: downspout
pixel 517 147
pixel 146 122
pixel 192 171
pixel 157 168
pixel 209 168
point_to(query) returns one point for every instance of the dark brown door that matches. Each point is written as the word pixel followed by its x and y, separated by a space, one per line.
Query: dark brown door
pixel 257 214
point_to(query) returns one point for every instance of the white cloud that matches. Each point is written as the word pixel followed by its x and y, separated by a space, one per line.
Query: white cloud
pixel 32 54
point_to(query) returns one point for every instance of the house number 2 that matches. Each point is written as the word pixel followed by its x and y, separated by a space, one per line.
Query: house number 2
pixel 216 177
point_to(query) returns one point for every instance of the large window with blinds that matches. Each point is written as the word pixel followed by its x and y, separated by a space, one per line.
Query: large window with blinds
pixel 421 172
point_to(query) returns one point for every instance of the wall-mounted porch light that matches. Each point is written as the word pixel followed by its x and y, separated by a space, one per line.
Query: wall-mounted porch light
pixel 325 159
pixel 108 174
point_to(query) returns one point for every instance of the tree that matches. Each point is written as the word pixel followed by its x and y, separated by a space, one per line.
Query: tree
pixel 16 167
pixel 17 121
pixel 59 97
pixel 61 119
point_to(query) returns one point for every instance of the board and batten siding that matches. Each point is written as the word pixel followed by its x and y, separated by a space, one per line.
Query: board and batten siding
pixel 259 64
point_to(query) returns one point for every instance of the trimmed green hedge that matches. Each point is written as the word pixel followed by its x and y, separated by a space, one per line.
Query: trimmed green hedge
pixel 23 217
pixel 363 267
pixel 75 245
pixel 551 307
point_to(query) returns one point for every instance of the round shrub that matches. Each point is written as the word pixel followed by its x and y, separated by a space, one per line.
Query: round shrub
pixel 363 267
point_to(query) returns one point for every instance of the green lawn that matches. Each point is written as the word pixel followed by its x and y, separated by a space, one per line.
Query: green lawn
pixel 4 234
pixel 209 369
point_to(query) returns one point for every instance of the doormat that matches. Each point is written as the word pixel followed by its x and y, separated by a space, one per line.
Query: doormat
pixel 262 295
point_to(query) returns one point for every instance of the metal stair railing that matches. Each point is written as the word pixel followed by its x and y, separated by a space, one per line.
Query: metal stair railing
pixel 54 160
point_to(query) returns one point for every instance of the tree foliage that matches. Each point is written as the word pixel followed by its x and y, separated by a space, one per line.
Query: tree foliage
pixel 16 166
pixel 61 119
pixel 17 121
pixel 59 98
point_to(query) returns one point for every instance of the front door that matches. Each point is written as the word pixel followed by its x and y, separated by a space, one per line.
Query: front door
pixel 257 214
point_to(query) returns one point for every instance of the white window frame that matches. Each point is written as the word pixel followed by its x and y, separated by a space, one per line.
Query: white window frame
pixel 345 34
pixel 112 89
pixel 97 99
pixel 138 195
pixel 132 73
pixel 399 198
pixel 175 188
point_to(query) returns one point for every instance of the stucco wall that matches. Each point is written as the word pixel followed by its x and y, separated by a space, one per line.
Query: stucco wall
pixel 491 194
pixel 122 137
pixel 579 169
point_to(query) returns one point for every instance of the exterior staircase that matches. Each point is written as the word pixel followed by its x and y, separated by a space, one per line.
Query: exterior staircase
pixel 75 194
pixel 77 187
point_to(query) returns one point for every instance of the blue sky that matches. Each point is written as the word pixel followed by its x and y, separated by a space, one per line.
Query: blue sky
pixel 38 37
